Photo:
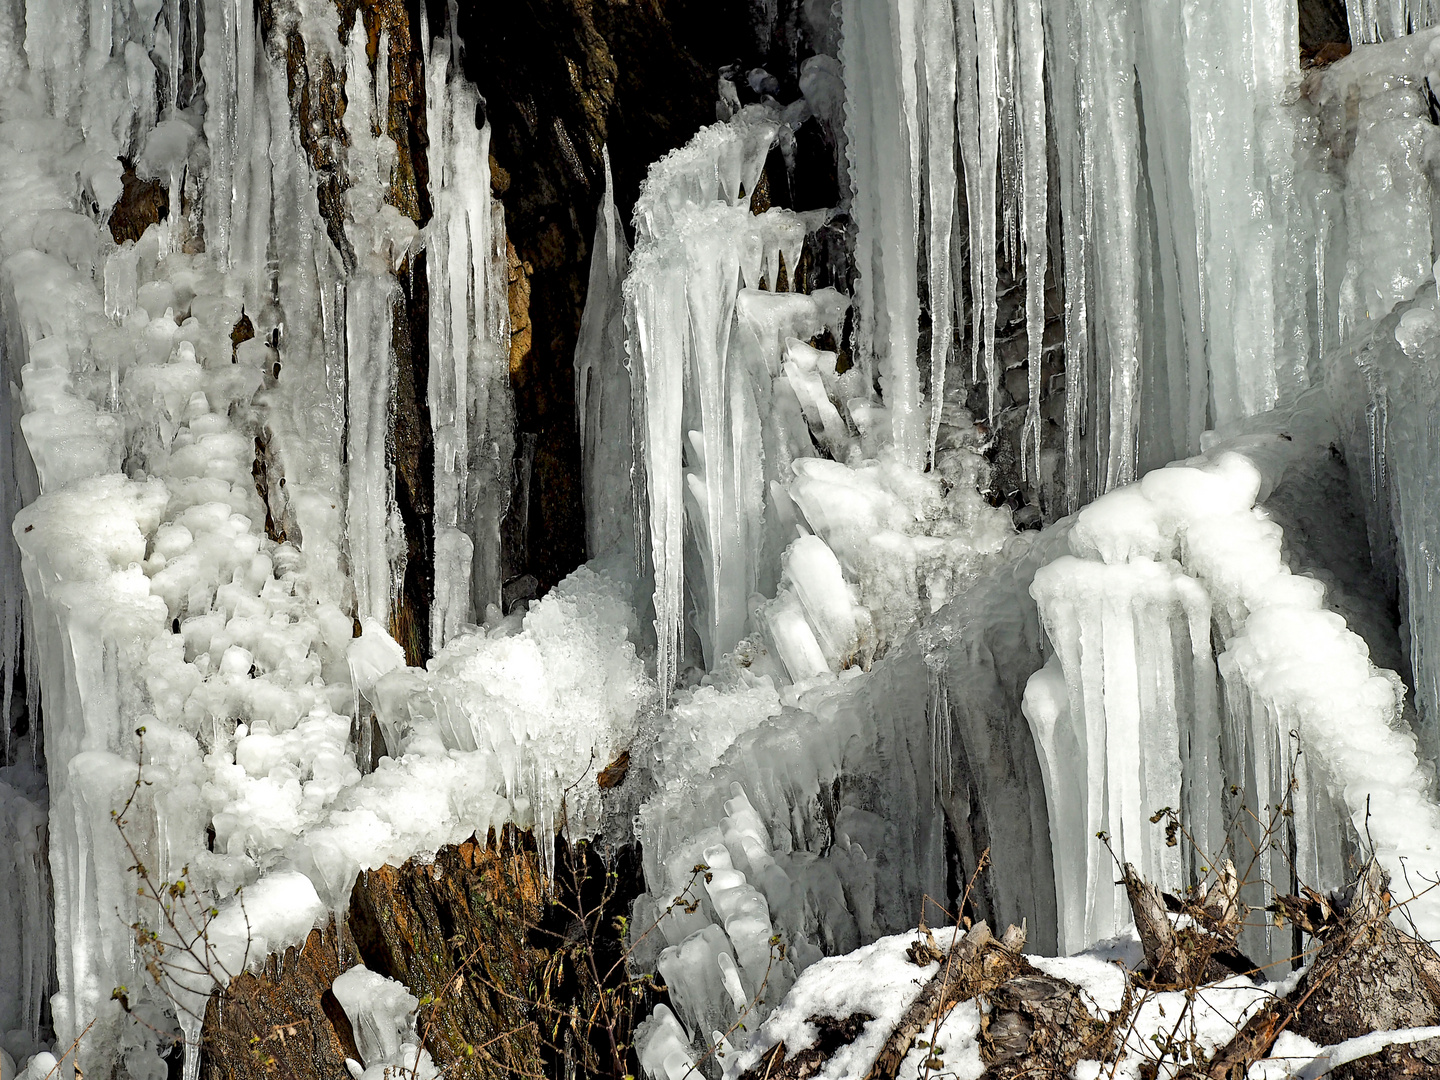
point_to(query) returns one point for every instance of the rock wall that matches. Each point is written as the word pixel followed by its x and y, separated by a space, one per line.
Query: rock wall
pixel 562 80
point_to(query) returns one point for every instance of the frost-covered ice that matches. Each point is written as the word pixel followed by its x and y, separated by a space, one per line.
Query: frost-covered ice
pixel 850 674
pixel 382 1015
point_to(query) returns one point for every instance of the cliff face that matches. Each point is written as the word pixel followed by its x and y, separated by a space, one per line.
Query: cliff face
pixel 562 80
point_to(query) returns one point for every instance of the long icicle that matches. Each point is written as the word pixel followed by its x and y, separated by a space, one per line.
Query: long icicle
pixel 938 43
pixel 982 231
pixel 1034 195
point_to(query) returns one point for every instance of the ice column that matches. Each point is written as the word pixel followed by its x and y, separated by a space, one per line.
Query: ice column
pixel 883 138
pixel 1374 105
pixel 469 349
pixel 381 238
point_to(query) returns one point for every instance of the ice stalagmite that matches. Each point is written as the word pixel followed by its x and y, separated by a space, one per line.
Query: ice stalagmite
pixel 602 392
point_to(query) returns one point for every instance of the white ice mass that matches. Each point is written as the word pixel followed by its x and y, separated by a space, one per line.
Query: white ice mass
pixel 842 673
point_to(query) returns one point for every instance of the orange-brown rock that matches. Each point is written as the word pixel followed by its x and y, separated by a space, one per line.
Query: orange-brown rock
pixel 141 204
pixel 283 1022
pixel 457 931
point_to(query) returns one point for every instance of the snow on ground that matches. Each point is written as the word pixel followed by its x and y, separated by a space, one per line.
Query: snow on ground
pixel 880 980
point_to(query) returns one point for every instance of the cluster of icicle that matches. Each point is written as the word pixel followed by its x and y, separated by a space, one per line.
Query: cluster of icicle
pixel 1384 20
pixel 1134 711
pixel 793 538
pixel 1186 288
pixel 165 590
pixel 842 629
pixel 1228 243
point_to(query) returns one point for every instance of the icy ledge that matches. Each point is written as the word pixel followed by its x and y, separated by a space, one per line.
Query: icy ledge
pixel 1126 719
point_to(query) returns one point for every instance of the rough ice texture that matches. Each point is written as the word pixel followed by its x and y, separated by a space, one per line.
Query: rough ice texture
pixel 826 756
pixel 170 585
pixel 1298 715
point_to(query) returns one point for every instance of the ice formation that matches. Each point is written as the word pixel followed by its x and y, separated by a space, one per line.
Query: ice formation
pixel 1193 654
pixel 382 1014
pixel 842 672
pixel 170 593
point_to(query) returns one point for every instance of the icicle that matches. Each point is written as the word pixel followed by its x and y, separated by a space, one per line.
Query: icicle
pixel 172 15
pixel 602 390
pixel 938 45
pixel 219 63
pixel 880 131
pixel 381 239
pixel 983 213
pixel 190 1027
pixel 1062 28
pixel 1034 195
pixel 656 330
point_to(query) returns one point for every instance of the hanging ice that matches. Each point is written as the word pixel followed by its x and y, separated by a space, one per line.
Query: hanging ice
pixel 469 351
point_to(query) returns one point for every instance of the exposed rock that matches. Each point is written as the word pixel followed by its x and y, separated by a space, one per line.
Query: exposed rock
pixel 454 931
pixel 505 965
pixel 142 203
pixel 1323 23
pixel 1369 975
pixel 412 451
pixel 1035 1025
pixel 283 1021
pixel 518 274
pixel 1039 1026
pixel 562 79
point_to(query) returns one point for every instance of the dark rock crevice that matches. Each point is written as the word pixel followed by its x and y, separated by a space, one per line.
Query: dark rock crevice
pixel 562 79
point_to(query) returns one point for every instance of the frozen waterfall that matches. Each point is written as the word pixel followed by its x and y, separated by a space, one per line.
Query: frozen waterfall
pixel 841 671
